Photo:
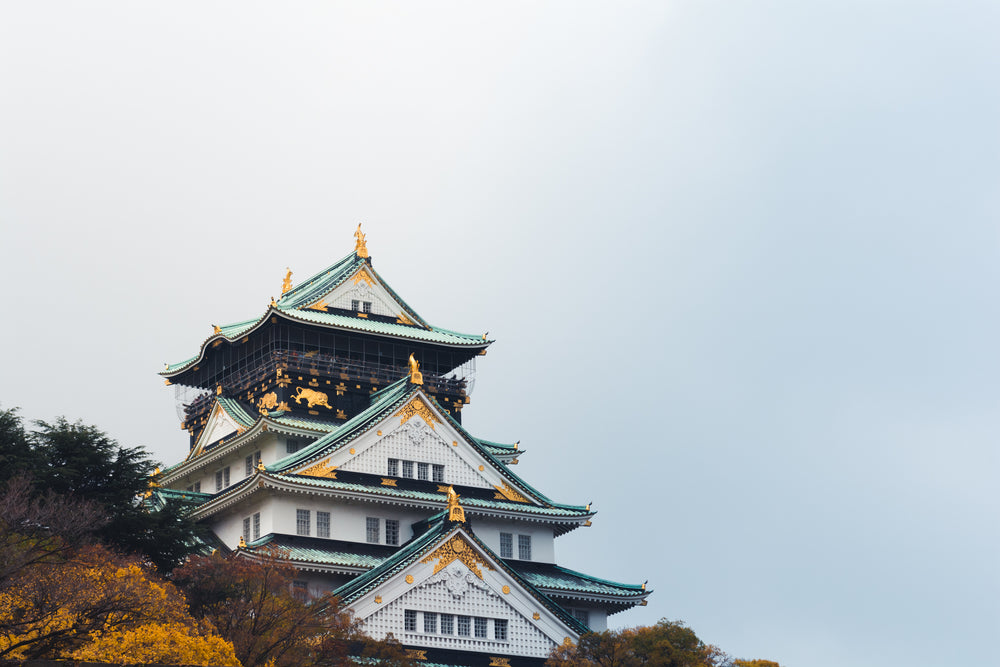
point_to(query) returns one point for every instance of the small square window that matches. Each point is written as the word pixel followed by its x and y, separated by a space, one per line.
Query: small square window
pixel 430 622
pixel 437 473
pixel 367 306
pixel 372 529
pixel 423 471
pixel 355 303
pixel 524 547
pixel 322 524
pixel 480 627
pixel 302 521
pixel 447 624
pixel 393 469
pixel 500 629
pixel 410 620
pixel 463 626
pixel 408 469
pixel 392 531
pixel 506 545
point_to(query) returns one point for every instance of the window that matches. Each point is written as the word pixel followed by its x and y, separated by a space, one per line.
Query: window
pixel 372 526
pixel 447 624
pixel 506 545
pixel 246 529
pixel 430 622
pixel 463 626
pixel 437 473
pixel 300 589
pixel 256 526
pixel 480 627
pixel 292 445
pixel 408 469
pixel 221 478
pixel 302 521
pixel 393 470
pixel 422 471
pixel 197 487
pixel 500 629
pixel 582 615
pixel 322 524
pixel 225 477
pixel 367 306
pixel 524 547
pixel 410 620
pixel 391 531
pixel 355 305
pixel 251 462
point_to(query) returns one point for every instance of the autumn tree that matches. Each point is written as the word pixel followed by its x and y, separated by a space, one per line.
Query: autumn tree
pixel 666 644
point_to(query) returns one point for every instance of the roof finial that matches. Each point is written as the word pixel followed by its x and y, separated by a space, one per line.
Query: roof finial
pixel 286 284
pixel 455 511
pixel 416 377
pixel 360 249
pixel 243 542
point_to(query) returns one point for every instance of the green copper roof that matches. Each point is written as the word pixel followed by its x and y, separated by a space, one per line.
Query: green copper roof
pixel 556 578
pixel 236 411
pixel 323 552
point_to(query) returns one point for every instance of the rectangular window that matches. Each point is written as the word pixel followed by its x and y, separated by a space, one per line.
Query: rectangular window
pixel 355 305
pixel 246 529
pixel 197 487
pixel 582 615
pixel 391 531
pixel 430 622
pixel 524 547
pixel 480 627
pixel 410 620
pixel 256 526
pixel 218 480
pixel 408 469
pixel 372 529
pixel 463 626
pixel 506 545
pixel 423 471
pixel 447 624
pixel 500 629
pixel 225 477
pixel 302 521
pixel 437 473
pixel 292 445
pixel 300 589
pixel 322 524
pixel 367 305
pixel 393 470
pixel 249 465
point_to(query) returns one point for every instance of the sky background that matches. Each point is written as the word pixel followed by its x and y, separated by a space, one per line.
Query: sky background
pixel 740 259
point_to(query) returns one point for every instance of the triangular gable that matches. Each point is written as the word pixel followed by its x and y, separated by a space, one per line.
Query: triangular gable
pixel 363 286
pixel 220 425
pixel 458 575
pixel 419 432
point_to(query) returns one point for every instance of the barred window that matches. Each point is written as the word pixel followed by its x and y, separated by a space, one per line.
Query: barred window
pixel 506 545
pixel 246 529
pixel 582 615
pixel 197 487
pixel 391 531
pixel 249 466
pixel 480 627
pixel 408 469
pixel 302 521
pixel 463 626
pixel 322 524
pixel 524 547
pixel 447 624
pixel 225 477
pixel 410 620
pixel 372 526
pixel 430 622
pixel 292 445
pixel 355 303
pixel 422 471
pixel 500 629
pixel 300 589
pixel 393 468
pixel 218 480
pixel 437 473
pixel 256 525
pixel 367 306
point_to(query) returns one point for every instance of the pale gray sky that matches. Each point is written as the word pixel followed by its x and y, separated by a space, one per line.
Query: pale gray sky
pixel 741 259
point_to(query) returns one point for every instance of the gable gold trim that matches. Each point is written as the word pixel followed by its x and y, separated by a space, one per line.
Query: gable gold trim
pixel 419 408
pixel 507 492
pixel 321 469
pixel 458 548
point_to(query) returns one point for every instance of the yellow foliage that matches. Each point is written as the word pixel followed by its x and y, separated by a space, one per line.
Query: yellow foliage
pixel 163 643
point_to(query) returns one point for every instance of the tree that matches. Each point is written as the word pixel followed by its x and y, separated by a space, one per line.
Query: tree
pixel 82 462
pixel 666 644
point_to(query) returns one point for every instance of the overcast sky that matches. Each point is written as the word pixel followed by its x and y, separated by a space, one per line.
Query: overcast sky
pixel 740 259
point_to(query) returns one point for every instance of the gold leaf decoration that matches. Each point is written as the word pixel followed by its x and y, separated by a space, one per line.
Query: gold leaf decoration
pixel 506 491
pixel 321 469
pixel 458 548
pixel 362 275
pixel 419 408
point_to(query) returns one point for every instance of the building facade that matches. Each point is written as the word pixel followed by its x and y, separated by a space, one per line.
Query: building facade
pixel 330 428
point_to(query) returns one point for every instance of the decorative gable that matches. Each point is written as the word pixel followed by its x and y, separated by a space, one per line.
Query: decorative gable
pixel 219 425
pixel 461 580
pixel 360 289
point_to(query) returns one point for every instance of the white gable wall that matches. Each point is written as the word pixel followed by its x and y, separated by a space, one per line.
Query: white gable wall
pixel 382 302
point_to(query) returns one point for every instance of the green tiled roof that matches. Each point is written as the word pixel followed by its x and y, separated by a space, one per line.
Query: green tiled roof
pixel 432 335
pixel 236 411
pixel 312 550
pixel 506 448
pixel 556 578
pixel 304 422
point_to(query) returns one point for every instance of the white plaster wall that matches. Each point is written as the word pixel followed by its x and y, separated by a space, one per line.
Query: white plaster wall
pixel 542 537
pixel 382 303
pixel 348 521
